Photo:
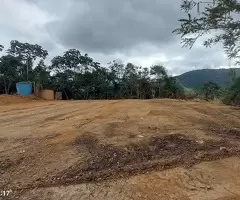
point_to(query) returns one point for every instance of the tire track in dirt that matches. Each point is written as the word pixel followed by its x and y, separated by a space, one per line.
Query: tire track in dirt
pixel 47 113
pixel 72 124
pixel 33 113
pixel 76 112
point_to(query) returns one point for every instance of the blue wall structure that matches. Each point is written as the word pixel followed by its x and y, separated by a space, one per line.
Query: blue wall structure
pixel 24 88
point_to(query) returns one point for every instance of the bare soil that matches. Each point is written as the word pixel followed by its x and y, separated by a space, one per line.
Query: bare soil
pixel 122 149
pixel 14 99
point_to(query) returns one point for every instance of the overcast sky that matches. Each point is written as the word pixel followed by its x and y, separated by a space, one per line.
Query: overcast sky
pixel 138 31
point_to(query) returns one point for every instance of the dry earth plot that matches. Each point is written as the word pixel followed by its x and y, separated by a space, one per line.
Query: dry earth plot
pixel 121 149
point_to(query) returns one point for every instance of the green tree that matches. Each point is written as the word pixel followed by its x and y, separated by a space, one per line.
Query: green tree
pixel 144 84
pixel 130 81
pixel 160 76
pixel 27 53
pixel 63 81
pixel 172 89
pixel 79 72
pixel 8 71
pixel 1 47
pixel 211 90
pixel 70 60
pixel 115 76
pixel 219 21
pixel 41 75
pixel 73 60
pixel 233 94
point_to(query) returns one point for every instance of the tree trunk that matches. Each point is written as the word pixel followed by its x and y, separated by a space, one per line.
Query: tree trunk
pixel 138 93
pixel 5 86
pixel 153 93
pixel 6 91
pixel 8 87
pixel 65 94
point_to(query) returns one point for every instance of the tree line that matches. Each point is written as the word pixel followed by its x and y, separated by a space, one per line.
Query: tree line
pixel 78 76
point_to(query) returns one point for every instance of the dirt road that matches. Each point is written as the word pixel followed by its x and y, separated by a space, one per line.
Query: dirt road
pixel 121 149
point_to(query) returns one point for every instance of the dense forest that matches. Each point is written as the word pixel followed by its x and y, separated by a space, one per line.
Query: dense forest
pixel 78 76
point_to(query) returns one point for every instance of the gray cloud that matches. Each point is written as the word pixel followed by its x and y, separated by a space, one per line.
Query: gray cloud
pixel 110 25
pixel 133 30
pixel 138 31
pixel 197 58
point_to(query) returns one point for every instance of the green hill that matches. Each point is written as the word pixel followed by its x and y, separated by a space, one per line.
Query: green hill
pixel 196 78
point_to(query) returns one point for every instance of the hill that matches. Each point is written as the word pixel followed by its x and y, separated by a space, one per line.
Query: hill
pixel 196 78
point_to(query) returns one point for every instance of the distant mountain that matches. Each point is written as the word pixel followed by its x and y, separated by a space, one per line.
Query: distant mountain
pixel 196 78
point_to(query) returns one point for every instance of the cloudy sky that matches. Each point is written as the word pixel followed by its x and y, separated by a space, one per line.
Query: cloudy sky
pixel 138 31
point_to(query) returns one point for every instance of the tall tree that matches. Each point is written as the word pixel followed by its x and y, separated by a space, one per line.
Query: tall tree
pixel 144 84
pixel 41 75
pixel 70 60
pixel 73 60
pixel 219 21
pixel 27 53
pixel 130 80
pixel 159 81
pixel 8 71
pixel 63 81
pixel 116 71
pixel 80 72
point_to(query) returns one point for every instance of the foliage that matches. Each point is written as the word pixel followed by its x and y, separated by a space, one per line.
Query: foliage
pixel 197 78
pixel 41 75
pixel 27 54
pixel 233 94
pixel 26 51
pixel 165 86
pixel 219 20
pixel 1 47
pixel 211 91
pixel 9 71
pixel 78 76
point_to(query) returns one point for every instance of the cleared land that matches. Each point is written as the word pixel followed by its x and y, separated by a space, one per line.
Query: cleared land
pixel 121 149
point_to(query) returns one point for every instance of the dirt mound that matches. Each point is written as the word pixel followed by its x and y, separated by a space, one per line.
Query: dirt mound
pixel 13 99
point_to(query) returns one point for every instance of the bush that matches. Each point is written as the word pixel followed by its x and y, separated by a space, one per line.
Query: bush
pixel 233 94
pixel 211 91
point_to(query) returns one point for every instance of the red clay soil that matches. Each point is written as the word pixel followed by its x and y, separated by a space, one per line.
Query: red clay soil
pixel 127 149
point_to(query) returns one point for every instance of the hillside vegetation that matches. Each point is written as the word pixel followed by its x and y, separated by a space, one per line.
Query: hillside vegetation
pixel 197 78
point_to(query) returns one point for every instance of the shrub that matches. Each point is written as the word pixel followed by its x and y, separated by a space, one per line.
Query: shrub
pixel 233 94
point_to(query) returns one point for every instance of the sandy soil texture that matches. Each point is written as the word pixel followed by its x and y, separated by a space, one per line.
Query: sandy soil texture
pixel 120 149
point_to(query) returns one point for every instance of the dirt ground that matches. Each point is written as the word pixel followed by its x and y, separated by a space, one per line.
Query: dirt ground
pixel 120 149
